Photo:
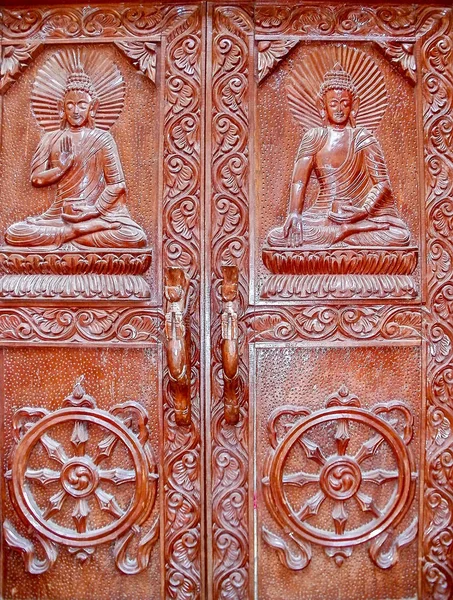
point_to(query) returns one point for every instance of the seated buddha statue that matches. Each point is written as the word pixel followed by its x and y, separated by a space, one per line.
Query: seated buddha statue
pixel 355 204
pixel 89 209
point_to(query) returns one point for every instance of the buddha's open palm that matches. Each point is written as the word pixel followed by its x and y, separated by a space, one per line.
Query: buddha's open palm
pixel 65 157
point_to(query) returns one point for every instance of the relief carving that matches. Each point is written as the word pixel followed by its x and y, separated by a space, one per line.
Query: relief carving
pixel 351 240
pixel 14 59
pixel 77 476
pixel 76 99
pixel 340 498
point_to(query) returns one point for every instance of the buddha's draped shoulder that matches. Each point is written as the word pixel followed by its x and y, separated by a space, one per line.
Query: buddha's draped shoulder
pixel 103 141
pixel 312 142
pixel 365 142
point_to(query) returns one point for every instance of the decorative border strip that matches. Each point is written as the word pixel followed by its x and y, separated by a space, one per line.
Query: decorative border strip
pixel 182 49
pixel 91 22
pixel 437 86
pixel 117 326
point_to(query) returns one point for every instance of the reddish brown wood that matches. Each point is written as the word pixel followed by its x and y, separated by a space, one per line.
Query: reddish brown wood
pixel 230 344
pixel 177 333
pixel 235 221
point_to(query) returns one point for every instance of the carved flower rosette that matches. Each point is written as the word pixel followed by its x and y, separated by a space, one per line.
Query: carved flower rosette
pixel 340 477
pixel 81 477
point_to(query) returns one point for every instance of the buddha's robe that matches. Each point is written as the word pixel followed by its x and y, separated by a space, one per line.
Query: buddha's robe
pixel 361 181
pixel 95 178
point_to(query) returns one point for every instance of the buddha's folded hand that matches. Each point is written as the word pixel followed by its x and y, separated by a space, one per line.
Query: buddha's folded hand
pixel 80 211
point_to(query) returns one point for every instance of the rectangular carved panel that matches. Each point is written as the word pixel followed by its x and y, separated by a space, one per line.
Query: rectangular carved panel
pixel 81 465
pixel 337 462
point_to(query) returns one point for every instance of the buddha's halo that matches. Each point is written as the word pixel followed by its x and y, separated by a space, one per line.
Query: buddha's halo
pixel 306 79
pixel 50 84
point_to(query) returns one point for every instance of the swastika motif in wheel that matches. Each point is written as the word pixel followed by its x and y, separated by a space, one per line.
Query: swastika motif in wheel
pixel 64 481
pixel 340 476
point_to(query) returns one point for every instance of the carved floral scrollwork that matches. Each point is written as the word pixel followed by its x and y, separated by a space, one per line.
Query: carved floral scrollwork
pixel 14 59
pixel 143 55
pixel 91 21
pixel 230 241
pixel 270 53
pixel 437 79
pixel 181 248
pixel 125 326
pixel 78 477
pixel 314 19
pixel 335 323
pixel 401 54
pixel 376 476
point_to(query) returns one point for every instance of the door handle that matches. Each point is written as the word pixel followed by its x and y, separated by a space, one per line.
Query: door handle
pixel 177 335
pixel 230 344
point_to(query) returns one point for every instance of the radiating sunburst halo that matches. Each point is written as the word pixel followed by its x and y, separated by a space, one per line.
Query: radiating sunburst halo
pixel 50 83
pixel 306 78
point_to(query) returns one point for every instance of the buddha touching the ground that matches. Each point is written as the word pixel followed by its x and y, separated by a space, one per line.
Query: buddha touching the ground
pixel 355 204
pixel 89 209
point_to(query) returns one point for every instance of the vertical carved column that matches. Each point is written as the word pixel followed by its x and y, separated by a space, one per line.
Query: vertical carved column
pixel 230 245
pixel 437 57
pixel 181 240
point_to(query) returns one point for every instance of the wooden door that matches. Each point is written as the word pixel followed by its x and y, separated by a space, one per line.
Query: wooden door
pixel 225 301
pixel 101 468
pixel 331 192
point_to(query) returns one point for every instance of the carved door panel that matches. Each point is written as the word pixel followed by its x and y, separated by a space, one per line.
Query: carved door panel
pixel 330 184
pixel 100 269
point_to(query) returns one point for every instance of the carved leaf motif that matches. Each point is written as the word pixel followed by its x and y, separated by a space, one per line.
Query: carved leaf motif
pixel 185 218
pixel 138 563
pixel 143 56
pixel 296 561
pixel 385 559
pixel 14 60
pixel 33 564
pixel 270 53
pixel 401 54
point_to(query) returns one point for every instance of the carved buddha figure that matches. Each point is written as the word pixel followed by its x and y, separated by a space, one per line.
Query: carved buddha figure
pixel 355 204
pixel 89 209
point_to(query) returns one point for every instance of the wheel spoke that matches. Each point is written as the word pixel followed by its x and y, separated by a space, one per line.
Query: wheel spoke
pixel 117 476
pixel 340 517
pixel 44 476
pixel 79 437
pixel 342 436
pixel 80 514
pixel 312 450
pixel 379 476
pixel 54 449
pixel 367 504
pixel 369 448
pixel 54 505
pixel 312 506
pixel 108 503
pixel 105 448
pixel 300 478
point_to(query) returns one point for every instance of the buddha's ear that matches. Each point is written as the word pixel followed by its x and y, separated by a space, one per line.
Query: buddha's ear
pixel 94 107
pixel 60 106
pixel 321 106
pixel 355 109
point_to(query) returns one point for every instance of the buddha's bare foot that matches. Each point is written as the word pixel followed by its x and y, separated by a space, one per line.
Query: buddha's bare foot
pixel 348 230
pixel 42 220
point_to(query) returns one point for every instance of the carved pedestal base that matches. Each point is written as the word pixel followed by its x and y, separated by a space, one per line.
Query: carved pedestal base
pixel 340 273
pixel 104 274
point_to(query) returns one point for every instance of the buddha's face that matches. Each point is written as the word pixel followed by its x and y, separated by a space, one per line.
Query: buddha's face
pixel 338 106
pixel 77 107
